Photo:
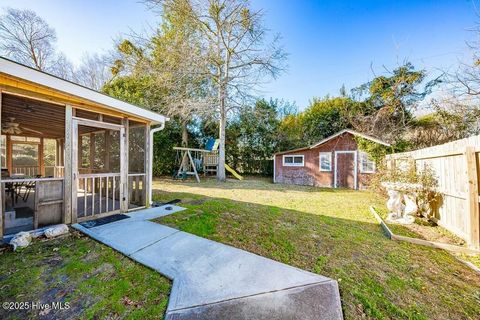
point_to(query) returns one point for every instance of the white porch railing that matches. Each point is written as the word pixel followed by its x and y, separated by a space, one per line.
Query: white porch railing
pixel 98 193
pixel 55 171
pixel 136 189
pixel 33 171
pixel 28 170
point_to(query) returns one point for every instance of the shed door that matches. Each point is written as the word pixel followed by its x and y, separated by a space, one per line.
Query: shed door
pixel 345 170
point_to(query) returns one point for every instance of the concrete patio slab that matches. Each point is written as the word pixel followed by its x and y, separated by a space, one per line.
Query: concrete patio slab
pixel 213 272
pixel 215 281
pixel 152 213
pixel 129 236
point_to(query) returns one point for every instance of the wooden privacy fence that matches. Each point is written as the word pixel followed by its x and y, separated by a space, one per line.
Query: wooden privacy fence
pixel 456 167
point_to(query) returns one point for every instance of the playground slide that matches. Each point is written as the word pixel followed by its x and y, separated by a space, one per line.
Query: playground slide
pixel 235 173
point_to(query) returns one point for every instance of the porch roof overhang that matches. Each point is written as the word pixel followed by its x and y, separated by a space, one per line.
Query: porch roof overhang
pixel 14 74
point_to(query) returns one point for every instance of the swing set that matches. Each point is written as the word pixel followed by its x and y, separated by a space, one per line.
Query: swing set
pixel 192 161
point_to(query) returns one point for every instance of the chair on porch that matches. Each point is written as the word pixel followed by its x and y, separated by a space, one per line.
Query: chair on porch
pixel 28 189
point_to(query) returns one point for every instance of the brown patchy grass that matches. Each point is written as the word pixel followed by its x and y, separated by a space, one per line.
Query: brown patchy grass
pixel 427 230
pixel 330 232
pixel 96 281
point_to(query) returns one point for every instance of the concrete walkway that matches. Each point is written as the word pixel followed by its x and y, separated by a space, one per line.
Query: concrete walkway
pixel 215 281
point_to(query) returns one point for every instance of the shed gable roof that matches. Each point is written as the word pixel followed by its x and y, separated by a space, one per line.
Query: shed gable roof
pixel 21 71
pixel 352 132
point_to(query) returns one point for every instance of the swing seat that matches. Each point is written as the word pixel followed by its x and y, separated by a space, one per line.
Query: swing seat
pixel 179 175
pixel 198 165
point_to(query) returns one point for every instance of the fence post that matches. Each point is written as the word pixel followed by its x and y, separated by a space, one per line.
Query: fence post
pixel 472 198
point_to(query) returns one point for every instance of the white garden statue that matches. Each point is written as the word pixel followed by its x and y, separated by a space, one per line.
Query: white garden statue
pixel 402 202
pixel 394 204
pixel 411 208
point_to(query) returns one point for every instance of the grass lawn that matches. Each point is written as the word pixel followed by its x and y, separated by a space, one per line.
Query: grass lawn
pixel 97 282
pixel 330 232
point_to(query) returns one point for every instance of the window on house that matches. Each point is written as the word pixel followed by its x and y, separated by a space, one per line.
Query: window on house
pixel 325 161
pixel 293 161
pixel 367 165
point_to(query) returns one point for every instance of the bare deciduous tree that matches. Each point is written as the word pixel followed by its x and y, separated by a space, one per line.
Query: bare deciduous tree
pixel 27 38
pixel 238 51
pixel 63 68
pixel 170 67
pixel 93 72
pixel 465 81
pixel 180 66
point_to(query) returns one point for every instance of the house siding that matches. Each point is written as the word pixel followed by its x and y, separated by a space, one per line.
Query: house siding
pixel 310 174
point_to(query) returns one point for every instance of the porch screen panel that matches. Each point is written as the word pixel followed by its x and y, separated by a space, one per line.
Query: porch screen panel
pixel 99 171
pixel 136 164
pixel 114 151
pixel 49 156
pixel 25 159
pixel 99 149
pixel 84 153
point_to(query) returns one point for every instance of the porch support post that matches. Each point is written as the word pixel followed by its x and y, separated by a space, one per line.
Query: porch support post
pixel 147 183
pixel 79 147
pixel 124 188
pixel 9 154
pixel 57 152
pixel 68 216
pixel 62 152
pixel 41 157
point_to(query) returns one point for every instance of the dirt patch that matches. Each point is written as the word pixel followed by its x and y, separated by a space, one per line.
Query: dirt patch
pixel 106 268
pixel 91 256
pixel 428 230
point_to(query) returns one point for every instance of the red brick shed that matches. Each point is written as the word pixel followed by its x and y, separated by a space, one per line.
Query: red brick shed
pixel 334 162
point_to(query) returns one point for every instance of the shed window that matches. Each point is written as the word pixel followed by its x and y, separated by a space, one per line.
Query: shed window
pixel 293 161
pixel 367 165
pixel 325 161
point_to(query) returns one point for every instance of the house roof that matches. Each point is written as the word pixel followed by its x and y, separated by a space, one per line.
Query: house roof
pixel 355 133
pixel 35 76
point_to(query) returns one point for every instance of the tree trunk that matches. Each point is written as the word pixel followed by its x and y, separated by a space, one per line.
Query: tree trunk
pixel 185 161
pixel 222 126
pixel 184 134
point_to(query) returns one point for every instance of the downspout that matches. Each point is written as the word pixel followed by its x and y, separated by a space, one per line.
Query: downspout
pixel 150 167
pixel 274 168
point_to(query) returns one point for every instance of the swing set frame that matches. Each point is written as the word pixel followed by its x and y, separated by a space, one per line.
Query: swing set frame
pixel 188 166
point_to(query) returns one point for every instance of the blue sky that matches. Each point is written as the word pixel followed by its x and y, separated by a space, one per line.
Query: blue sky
pixel 329 42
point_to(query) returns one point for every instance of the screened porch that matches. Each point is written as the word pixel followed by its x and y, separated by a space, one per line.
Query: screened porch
pixel 33 161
